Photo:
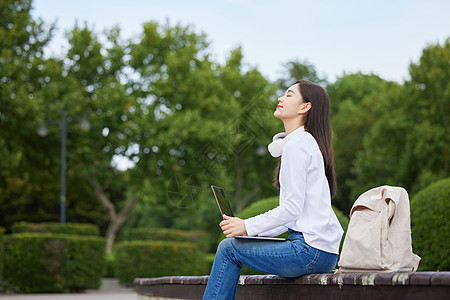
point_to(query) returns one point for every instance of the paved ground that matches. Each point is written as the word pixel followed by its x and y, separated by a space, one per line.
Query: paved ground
pixel 110 290
pixel 85 296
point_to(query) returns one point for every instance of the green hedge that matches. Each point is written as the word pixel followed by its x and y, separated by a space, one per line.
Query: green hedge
pixel 109 265
pixel 166 234
pixel 2 232
pixel 47 262
pixel 53 227
pixel 430 224
pixel 259 207
pixel 157 258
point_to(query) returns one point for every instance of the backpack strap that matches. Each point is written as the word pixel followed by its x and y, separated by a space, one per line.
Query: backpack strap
pixel 391 207
pixel 416 260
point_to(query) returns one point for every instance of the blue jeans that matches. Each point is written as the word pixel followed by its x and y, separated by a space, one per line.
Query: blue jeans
pixel 291 258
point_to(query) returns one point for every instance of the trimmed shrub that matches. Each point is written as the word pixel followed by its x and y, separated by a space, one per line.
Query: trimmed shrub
pixel 2 232
pixel 259 207
pixel 109 265
pixel 430 224
pixel 200 238
pixel 47 262
pixel 154 234
pixel 53 227
pixel 209 258
pixel 166 234
pixel 157 258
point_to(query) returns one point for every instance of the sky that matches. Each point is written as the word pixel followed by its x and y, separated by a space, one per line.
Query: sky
pixel 381 37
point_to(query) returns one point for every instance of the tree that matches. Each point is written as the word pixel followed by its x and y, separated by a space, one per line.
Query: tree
pixel 352 97
pixel 250 168
pixel 408 144
pixel 429 87
pixel 204 108
pixel 297 70
pixel 157 102
pixel 204 129
pixel 93 74
pixel 201 135
pixel 23 88
pixel 132 91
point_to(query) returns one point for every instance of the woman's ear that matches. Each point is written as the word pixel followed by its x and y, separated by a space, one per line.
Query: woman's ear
pixel 304 107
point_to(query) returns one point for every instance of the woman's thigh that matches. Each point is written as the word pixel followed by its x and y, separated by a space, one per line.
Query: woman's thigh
pixel 290 258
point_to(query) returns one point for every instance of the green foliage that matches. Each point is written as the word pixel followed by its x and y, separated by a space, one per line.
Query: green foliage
pixel 299 70
pixel 201 215
pixel 186 238
pixel 184 121
pixel 46 262
pixel 2 252
pixel 430 90
pixel 67 228
pixel 166 234
pixel 209 259
pixel 109 265
pixel 430 226
pixel 152 234
pixel 352 97
pixel 343 220
pixel 407 145
pixel 355 88
pixel 32 90
pixel 24 171
pixel 259 207
pixel 137 259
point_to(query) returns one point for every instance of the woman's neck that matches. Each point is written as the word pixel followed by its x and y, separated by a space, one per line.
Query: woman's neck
pixel 291 126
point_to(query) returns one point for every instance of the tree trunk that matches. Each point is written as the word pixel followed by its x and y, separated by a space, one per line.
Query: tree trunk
pixel 116 219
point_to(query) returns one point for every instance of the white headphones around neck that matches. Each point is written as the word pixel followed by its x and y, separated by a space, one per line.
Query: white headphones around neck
pixel 276 147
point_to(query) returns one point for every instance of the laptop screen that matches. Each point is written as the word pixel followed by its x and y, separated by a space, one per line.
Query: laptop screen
pixel 221 198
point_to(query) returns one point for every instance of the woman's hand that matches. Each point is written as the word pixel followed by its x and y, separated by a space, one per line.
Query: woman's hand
pixel 232 226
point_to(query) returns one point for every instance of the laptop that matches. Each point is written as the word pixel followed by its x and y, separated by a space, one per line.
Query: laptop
pixel 225 208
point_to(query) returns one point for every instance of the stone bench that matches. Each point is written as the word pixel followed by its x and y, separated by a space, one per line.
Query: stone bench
pixel 366 286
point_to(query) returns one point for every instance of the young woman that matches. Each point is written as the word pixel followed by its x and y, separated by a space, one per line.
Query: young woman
pixel 307 182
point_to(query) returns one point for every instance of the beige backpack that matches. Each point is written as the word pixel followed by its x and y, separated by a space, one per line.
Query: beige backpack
pixel 378 237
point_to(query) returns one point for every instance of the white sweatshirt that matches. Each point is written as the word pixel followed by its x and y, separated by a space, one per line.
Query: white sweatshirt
pixel 305 201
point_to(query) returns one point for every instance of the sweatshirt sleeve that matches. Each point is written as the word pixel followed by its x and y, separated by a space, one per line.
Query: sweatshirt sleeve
pixel 293 173
pixel 274 232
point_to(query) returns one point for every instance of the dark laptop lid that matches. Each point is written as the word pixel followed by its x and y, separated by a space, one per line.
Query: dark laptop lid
pixel 225 208
pixel 222 202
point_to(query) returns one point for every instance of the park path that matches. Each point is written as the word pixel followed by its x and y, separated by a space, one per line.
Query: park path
pixel 110 290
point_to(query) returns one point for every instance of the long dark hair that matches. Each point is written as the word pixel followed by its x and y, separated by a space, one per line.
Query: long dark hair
pixel 319 126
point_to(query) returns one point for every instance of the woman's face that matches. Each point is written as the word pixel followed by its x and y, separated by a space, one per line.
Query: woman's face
pixel 290 105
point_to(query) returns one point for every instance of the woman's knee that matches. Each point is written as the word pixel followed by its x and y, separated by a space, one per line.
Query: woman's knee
pixel 226 249
pixel 225 245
